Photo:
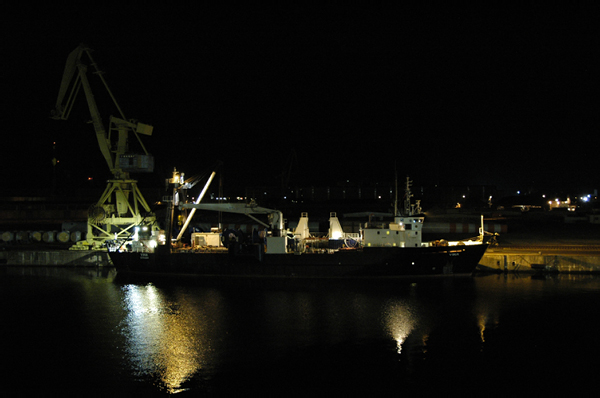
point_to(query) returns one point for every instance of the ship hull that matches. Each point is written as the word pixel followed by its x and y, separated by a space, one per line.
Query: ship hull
pixel 368 262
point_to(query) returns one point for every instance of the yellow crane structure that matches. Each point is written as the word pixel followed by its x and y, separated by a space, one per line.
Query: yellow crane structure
pixel 121 208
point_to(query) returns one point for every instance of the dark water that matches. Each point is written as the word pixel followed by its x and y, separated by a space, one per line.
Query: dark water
pixel 86 332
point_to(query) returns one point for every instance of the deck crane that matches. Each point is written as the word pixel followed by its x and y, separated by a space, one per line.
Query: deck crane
pixel 121 207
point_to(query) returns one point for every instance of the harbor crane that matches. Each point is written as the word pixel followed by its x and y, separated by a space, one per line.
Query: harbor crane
pixel 121 208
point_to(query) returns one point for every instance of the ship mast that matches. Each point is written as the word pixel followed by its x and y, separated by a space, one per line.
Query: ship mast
pixel 410 209
pixel 407 196
pixel 395 191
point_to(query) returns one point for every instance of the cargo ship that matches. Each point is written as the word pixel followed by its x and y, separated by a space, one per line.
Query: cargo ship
pixel 394 248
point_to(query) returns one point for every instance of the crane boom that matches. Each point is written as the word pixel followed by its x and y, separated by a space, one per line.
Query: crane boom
pixel 276 217
pixel 116 156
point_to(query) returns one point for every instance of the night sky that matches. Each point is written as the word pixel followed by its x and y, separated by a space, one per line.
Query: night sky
pixel 504 97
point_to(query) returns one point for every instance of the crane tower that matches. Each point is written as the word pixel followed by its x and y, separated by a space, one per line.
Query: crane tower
pixel 121 208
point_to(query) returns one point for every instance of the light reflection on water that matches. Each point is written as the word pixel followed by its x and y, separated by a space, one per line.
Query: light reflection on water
pixel 177 336
pixel 172 335
pixel 400 321
pixel 169 338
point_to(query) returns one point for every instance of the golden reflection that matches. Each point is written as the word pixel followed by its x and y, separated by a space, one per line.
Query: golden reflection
pixel 487 318
pixel 166 340
pixel 399 321
pixel 501 287
pixel 481 322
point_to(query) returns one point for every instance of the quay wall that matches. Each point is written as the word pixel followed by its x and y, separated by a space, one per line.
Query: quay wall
pixel 536 262
pixel 565 262
pixel 62 258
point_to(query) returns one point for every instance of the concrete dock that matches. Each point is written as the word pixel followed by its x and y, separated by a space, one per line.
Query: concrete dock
pixel 542 258
pixel 529 242
pixel 55 258
pixel 545 242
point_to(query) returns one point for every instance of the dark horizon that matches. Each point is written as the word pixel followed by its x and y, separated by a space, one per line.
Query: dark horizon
pixel 473 98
